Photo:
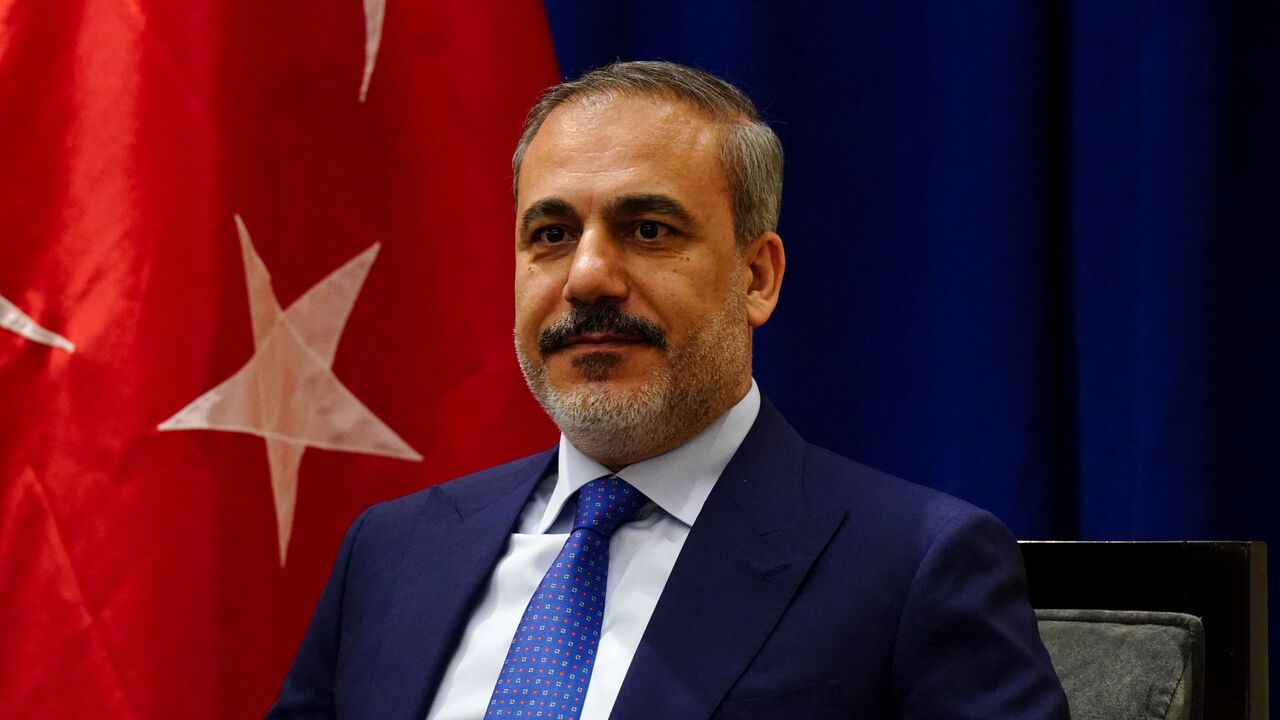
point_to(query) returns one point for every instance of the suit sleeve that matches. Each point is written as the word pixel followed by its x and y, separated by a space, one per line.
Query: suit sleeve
pixel 308 689
pixel 968 645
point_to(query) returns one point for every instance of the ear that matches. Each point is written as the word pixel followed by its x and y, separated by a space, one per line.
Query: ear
pixel 764 263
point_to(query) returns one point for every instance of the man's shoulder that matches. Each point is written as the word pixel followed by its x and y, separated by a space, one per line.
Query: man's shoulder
pixel 462 493
pixel 889 506
pixel 879 508
pixel 830 481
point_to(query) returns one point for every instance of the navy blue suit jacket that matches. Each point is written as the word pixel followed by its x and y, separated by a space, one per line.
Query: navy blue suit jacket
pixel 810 587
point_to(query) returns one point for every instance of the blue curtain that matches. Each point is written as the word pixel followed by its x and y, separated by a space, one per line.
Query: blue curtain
pixel 1034 248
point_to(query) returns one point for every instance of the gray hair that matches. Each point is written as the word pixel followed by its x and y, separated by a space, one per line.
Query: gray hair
pixel 750 152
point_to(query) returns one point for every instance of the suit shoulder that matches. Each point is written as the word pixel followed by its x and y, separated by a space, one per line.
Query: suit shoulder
pixel 888 505
pixel 477 487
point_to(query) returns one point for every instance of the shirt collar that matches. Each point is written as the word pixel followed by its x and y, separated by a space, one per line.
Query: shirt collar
pixel 678 481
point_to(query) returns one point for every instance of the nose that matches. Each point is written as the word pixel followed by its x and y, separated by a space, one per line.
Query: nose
pixel 598 272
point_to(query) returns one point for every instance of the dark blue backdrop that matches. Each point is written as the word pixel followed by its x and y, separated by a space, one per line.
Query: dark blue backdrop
pixel 1034 251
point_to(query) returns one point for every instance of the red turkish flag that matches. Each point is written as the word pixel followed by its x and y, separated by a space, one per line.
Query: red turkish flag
pixel 356 318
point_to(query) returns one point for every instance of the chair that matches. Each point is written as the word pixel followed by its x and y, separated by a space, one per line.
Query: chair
pixel 1168 630
pixel 1118 664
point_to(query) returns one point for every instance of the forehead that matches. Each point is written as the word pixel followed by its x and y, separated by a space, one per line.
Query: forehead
pixel 605 146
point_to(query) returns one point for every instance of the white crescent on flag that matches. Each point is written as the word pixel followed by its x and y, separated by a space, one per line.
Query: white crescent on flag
pixel 375 11
pixel 287 393
pixel 18 322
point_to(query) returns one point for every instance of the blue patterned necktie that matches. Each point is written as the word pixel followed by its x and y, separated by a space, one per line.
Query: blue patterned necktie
pixel 549 664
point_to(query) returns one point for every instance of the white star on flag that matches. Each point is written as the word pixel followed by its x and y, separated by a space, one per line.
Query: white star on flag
pixel 18 322
pixel 375 11
pixel 287 393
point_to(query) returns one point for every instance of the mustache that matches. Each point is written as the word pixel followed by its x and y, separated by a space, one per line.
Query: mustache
pixel 603 318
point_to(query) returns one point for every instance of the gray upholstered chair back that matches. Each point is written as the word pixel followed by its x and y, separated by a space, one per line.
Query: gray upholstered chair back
pixel 1127 665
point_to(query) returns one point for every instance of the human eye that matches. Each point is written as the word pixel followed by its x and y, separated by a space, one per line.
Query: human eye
pixel 652 230
pixel 550 235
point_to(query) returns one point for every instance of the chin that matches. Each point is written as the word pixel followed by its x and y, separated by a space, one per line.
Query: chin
pixel 625 406
pixel 604 401
pixel 598 399
pixel 616 425
pixel 597 367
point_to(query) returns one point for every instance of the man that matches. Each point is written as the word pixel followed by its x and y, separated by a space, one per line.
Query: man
pixel 682 553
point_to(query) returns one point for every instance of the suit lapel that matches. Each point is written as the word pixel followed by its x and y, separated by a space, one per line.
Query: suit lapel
pixel 746 554
pixel 462 532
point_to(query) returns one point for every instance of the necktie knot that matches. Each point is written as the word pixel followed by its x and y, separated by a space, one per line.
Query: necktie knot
pixel 605 503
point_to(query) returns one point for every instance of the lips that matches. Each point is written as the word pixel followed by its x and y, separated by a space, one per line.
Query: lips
pixel 602 339
pixel 601 342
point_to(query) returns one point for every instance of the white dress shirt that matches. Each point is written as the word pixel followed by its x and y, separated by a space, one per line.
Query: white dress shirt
pixel 641 555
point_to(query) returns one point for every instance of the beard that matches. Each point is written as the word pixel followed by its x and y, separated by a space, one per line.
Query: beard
pixel 681 396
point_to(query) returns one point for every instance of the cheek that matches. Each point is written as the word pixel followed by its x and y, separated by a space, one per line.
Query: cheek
pixel 536 297
pixel 682 297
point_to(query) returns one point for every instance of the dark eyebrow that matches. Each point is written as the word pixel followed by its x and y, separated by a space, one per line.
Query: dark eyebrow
pixel 550 208
pixel 632 205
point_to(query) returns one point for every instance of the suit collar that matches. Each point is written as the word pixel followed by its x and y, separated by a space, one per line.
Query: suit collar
pixel 764 481
pixel 752 544
pixel 518 478
pixel 461 531
pixel 742 562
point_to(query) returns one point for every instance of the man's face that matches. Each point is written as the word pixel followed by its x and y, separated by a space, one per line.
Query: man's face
pixel 630 290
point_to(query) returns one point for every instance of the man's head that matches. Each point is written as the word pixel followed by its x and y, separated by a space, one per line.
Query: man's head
pixel 750 154
pixel 646 198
